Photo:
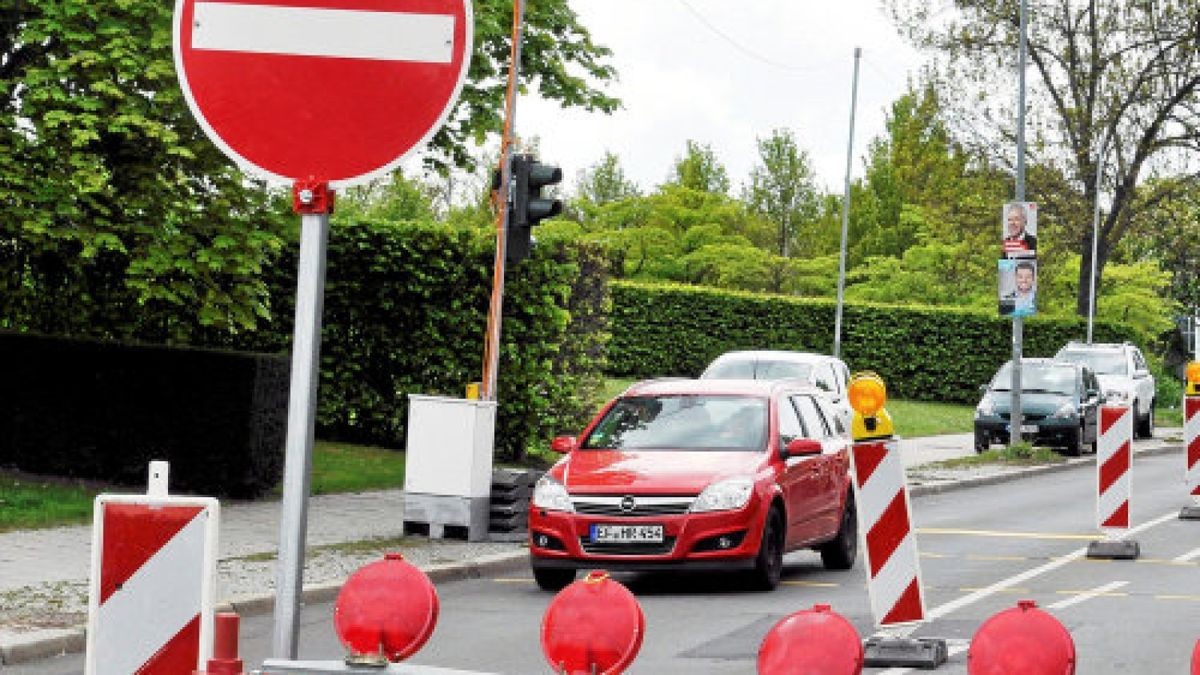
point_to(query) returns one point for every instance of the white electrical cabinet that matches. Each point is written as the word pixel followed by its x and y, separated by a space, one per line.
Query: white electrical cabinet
pixel 448 466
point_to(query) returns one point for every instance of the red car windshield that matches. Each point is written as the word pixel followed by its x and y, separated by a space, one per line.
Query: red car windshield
pixel 682 423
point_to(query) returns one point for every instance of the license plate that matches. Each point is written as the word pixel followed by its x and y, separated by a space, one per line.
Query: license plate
pixel 627 533
pixel 1029 428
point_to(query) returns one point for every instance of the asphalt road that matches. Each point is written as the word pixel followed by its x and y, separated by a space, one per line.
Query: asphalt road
pixel 982 549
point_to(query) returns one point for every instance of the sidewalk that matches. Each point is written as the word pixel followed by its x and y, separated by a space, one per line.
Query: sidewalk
pixel 44 573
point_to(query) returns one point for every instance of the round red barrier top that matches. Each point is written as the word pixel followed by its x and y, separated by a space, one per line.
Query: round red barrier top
pixel 386 610
pixel 593 623
pixel 815 641
pixel 1023 639
pixel 1196 659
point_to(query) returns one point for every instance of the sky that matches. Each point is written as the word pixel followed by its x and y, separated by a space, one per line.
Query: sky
pixel 725 73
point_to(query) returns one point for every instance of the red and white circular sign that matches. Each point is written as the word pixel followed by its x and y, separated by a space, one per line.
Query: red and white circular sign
pixel 331 90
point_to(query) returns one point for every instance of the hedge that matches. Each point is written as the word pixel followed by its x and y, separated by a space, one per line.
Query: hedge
pixel 405 311
pixel 923 353
pixel 101 410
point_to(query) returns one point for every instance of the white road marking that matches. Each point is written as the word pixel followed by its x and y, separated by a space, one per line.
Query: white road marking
pixel 1088 595
pixel 972 598
pixel 1187 557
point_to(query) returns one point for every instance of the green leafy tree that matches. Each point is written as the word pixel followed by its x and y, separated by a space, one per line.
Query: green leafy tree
pixel 698 169
pixel 783 188
pixel 393 198
pixel 123 220
pixel 605 182
pixel 1121 74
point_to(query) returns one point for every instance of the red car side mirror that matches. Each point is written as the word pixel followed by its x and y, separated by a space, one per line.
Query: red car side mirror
pixel 564 444
pixel 803 447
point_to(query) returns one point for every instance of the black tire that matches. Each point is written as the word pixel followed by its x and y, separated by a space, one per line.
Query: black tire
pixel 982 443
pixel 1145 427
pixel 768 565
pixel 839 553
pixel 553 579
pixel 1075 444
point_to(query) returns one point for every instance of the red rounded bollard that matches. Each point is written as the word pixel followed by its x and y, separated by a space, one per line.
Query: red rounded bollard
pixel 593 626
pixel 1023 639
pixel 816 641
pixel 225 659
pixel 386 611
pixel 1196 659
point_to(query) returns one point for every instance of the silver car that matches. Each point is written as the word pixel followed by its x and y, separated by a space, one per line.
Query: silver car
pixel 1124 376
pixel 827 373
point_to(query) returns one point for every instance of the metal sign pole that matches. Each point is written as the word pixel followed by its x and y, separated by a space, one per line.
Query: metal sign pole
pixel 1014 432
pixel 491 351
pixel 837 322
pixel 302 402
pixel 1095 244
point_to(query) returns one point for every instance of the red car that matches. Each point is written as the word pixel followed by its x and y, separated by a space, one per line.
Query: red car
pixel 698 474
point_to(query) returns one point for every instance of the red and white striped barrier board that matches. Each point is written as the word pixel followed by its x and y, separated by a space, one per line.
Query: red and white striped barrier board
pixel 1191 436
pixel 893 569
pixel 150 604
pixel 1114 457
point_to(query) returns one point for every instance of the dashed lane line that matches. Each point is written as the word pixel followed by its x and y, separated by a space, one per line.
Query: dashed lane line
pixel 1105 590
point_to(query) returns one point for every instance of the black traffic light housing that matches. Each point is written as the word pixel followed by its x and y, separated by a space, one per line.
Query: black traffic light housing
pixel 528 206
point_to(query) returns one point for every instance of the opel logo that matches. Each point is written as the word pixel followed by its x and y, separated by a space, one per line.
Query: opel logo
pixel 628 504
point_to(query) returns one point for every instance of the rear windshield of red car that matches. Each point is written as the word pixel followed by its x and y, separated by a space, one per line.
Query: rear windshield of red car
pixel 693 422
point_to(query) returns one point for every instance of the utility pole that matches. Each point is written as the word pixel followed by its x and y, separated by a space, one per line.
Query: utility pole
pixel 841 291
pixel 491 347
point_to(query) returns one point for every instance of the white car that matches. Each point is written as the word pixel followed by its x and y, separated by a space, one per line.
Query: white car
pixel 1124 378
pixel 827 373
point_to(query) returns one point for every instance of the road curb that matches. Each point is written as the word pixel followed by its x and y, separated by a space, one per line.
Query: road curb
pixel 46 644
pixel 996 479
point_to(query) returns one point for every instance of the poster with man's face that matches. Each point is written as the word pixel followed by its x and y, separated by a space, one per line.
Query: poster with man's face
pixel 1018 287
pixel 1018 225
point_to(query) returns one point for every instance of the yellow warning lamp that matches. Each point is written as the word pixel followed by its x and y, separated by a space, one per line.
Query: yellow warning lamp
pixel 1193 378
pixel 867 395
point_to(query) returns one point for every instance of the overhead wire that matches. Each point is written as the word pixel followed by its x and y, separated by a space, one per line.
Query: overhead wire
pixel 746 51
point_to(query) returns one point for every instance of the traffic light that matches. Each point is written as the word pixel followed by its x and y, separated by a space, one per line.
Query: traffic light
pixel 528 205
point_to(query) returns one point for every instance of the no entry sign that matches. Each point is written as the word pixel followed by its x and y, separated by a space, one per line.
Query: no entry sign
pixel 331 90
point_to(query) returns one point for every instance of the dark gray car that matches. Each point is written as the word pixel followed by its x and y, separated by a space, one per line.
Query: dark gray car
pixel 1060 406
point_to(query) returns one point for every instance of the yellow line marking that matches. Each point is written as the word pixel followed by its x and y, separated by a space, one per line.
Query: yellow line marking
pixel 927 554
pixel 1193 598
pixel 502 580
pixel 996 557
pixel 1164 561
pixel 1003 534
pixel 812 584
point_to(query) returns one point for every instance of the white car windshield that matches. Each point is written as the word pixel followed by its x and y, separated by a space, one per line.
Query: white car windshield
pixel 694 422
pixel 1059 379
pixel 1102 363
pixel 758 369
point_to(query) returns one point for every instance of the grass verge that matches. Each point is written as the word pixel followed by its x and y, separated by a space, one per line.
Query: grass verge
pixel 345 467
pixel 1021 454
pixel 30 501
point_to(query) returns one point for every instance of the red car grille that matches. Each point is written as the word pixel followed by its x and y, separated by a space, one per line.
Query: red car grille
pixel 631 506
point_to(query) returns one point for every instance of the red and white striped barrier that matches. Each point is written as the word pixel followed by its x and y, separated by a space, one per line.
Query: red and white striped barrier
pixel 1191 437
pixel 884 514
pixel 1114 457
pixel 150 601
